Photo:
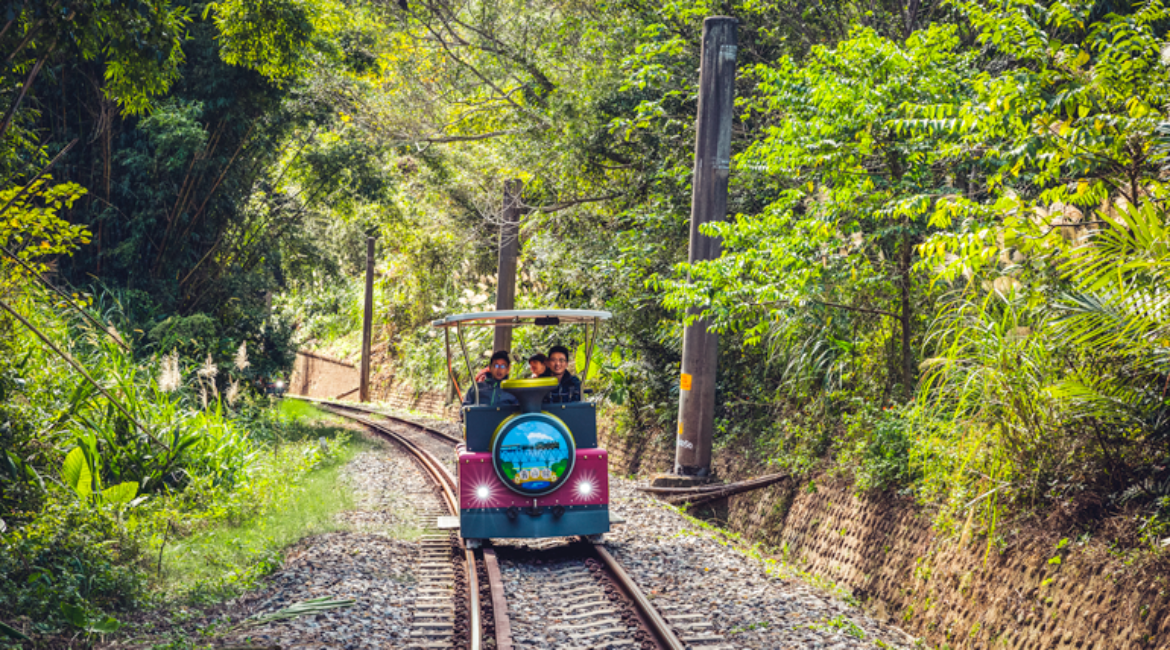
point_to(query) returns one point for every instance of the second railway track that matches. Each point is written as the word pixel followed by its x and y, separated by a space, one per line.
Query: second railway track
pixel 583 597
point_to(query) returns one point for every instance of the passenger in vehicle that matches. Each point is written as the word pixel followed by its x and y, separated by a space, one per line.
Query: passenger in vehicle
pixel 538 364
pixel 568 387
pixel 490 393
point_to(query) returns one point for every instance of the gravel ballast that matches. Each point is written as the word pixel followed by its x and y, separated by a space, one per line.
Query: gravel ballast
pixel 685 569
pixel 368 565
pixel 754 604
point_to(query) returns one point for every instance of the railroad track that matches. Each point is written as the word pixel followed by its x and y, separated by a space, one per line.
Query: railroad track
pixel 448 607
pixel 583 596
pixel 410 425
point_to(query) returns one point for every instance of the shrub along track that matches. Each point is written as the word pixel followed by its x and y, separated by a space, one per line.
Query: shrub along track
pixel 579 588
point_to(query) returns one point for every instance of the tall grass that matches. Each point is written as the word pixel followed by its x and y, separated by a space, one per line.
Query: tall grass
pixel 200 470
pixel 220 558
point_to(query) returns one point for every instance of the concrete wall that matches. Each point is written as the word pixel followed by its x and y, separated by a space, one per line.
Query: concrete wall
pixel 320 376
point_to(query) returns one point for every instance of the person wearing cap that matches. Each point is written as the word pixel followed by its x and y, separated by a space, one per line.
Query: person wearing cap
pixel 568 387
pixel 538 364
pixel 490 391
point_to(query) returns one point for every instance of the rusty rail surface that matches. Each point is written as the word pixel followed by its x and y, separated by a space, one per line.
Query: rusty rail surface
pixel 664 636
pixel 499 600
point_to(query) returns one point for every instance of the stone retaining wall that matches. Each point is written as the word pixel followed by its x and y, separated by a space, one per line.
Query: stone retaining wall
pixel 884 551
pixel 323 377
pixel 401 396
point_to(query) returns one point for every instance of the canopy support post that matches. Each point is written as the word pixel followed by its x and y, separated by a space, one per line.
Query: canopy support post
pixel 451 376
pixel 589 341
pixel 467 359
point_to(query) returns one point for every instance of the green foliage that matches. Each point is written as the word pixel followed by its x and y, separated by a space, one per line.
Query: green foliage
pixel 995 360
pixel 64 556
pixel 832 252
pixel 99 624
pixel 878 448
pixel 269 36
pixel 31 227
pixel 81 472
pixel 1116 309
pixel 87 497
pixel 188 334
pixel 1072 125
pixel 139 43
pixel 235 539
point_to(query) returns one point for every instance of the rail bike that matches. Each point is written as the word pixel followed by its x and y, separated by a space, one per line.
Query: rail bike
pixel 531 469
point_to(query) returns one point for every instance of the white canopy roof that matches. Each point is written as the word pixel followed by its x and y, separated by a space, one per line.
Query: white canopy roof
pixel 514 317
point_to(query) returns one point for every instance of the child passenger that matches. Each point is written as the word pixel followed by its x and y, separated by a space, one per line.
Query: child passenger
pixel 538 364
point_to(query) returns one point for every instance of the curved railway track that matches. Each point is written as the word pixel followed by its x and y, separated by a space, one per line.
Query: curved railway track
pixel 439 583
pixel 595 602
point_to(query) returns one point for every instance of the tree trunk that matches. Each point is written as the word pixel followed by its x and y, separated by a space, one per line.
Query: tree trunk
pixel 907 314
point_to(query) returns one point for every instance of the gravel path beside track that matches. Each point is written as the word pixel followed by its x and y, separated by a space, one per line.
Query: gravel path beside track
pixel 366 565
pixel 687 570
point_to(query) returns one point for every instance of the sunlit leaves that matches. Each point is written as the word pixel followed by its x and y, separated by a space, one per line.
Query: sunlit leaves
pixel 30 225
pixel 837 131
pixel 142 48
pixel 1073 121
pixel 269 36
pixel 139 42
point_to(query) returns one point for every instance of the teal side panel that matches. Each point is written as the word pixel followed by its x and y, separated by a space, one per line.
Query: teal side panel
pixel 480 423
pixel 485 523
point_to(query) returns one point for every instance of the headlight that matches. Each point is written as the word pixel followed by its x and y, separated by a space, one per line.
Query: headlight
pixel 585 489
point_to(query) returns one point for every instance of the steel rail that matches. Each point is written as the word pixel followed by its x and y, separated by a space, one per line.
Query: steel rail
pixel 663 634
pixel 447 485
pixel 651 619
pixel 499 600
pixel 429 430
pixel 432 431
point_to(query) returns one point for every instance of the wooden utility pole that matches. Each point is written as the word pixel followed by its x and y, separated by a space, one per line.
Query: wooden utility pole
pixel 696 401
pixel 367 322
pixel 509 251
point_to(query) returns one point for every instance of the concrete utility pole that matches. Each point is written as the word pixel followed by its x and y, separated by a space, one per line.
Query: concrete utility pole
pixel 696 401
pixel 509 251
pixel 367 322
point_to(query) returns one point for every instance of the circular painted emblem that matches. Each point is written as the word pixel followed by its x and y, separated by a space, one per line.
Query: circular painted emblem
pixel 533 453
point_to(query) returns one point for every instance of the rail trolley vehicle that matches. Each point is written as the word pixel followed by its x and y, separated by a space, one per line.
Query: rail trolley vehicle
pixel 531 469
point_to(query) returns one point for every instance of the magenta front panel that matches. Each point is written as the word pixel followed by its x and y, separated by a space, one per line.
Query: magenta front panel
pixel 479 487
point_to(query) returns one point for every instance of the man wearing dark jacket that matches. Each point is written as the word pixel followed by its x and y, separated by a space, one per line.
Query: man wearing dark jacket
pixel 568 387
pixel 490 393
